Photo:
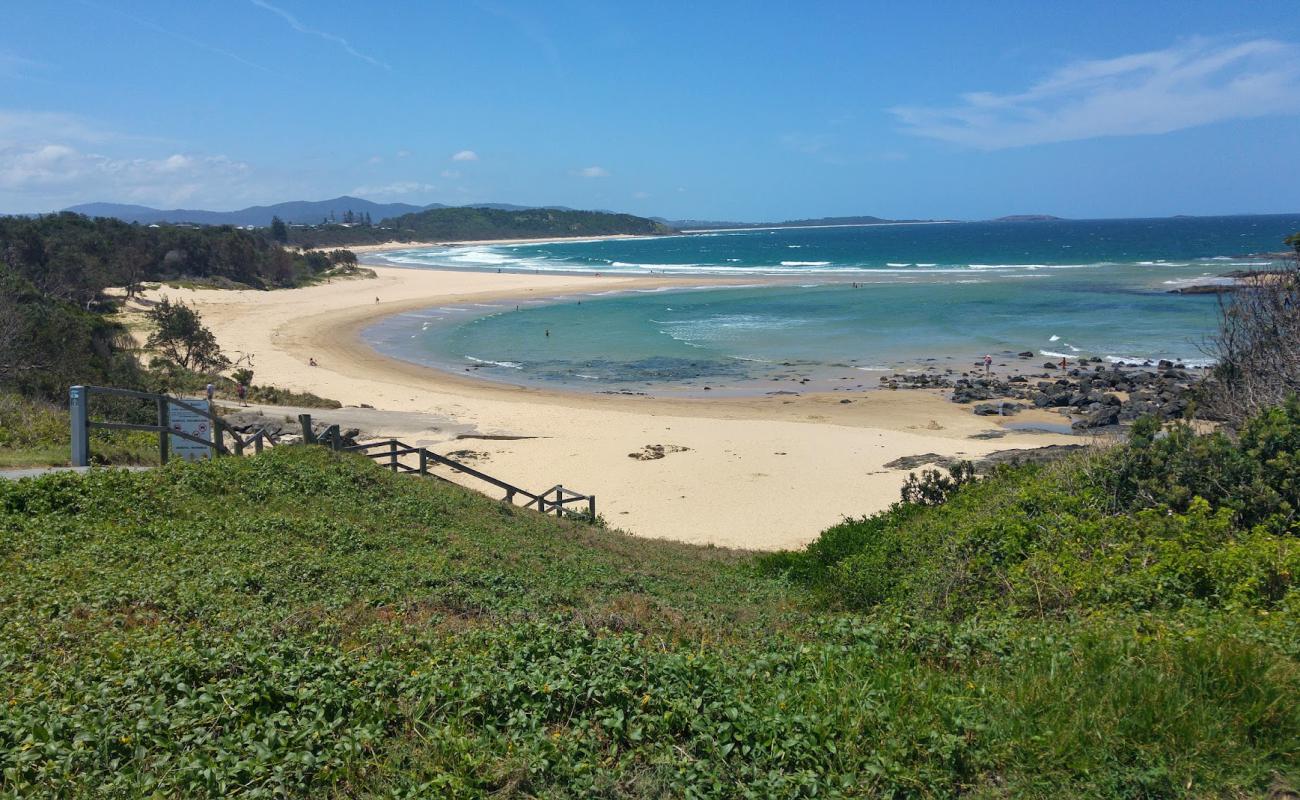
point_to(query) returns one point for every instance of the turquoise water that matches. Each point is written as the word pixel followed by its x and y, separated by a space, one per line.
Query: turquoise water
pixel 832 306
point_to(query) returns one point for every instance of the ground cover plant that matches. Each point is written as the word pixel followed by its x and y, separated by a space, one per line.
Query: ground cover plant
pixel 302 623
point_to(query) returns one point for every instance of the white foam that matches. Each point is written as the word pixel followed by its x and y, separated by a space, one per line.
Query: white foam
pixel 1054 338
pixel 507 364
pixel 804 263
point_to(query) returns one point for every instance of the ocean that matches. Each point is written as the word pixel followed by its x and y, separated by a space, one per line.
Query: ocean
pixel 835 307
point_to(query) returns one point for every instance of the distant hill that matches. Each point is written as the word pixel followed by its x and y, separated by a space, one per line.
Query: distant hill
pixel 479 222
pixel 296 212
pixel 496 221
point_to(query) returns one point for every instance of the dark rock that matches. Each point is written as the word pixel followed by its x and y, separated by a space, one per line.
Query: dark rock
pixel 1100 418
pixel 1003 409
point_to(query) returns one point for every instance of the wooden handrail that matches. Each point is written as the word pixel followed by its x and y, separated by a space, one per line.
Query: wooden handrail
pixel 386 449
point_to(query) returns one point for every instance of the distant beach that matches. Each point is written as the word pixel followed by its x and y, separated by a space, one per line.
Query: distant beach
pixel 728 464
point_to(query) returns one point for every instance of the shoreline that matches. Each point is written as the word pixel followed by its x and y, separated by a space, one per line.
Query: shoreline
pixel 754 472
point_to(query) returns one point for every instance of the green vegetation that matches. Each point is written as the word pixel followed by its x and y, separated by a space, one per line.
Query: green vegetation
pixel 306 624
pixel 34 433
pixel 469 223
pixel 72 257
pixel 56 325
pixel 179 335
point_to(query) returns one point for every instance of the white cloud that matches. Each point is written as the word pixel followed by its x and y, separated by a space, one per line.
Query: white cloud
pixel 50 160
pixel 1190 84
pixel 592 172
pixel 329 37
pixel 465 155
pixel 450 174
pixel 397 189
pixel 63 171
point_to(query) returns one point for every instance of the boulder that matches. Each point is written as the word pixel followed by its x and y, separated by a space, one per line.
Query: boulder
pixel 1101 418
pixel 1003 409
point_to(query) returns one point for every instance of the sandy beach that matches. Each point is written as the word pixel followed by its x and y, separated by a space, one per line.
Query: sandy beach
pixel 759 473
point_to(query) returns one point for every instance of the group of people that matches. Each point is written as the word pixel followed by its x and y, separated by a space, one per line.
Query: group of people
pixel 241 391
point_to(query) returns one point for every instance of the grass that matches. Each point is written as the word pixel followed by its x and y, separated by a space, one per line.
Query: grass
pixel 38 434
pixel 305 624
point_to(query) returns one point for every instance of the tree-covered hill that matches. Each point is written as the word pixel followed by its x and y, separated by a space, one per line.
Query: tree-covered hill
pixel 304 624
pixel 55 326
pixel 471 223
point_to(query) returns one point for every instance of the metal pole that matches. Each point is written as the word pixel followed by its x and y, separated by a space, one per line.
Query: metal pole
pixel 164 436
pixel 80 430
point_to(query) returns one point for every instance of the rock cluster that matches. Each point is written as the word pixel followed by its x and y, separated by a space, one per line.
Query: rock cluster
pixel 284 431
pixel 1093 398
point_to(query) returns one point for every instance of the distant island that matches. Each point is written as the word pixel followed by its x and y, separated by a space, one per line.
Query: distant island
pixel 1027 218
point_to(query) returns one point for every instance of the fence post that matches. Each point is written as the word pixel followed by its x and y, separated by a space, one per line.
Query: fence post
pixel 221 439
pixel 559 500
pixel 77 412
pixel 257 442
pixel 308 437
pixel 591 506
pixel 424 461
pixel 392 454
pixel 164 435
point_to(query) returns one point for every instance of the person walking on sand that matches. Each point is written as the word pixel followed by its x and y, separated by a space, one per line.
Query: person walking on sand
pixel 211 390
pixel 1064 363
pixel 242 392
pixel 988 364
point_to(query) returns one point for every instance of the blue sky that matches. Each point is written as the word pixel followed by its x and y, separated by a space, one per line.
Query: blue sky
pixel 744 110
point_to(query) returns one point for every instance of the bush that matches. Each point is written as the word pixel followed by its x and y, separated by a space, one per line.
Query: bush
pixel 1169 520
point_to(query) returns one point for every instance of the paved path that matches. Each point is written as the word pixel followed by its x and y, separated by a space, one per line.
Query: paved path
pixel 36 472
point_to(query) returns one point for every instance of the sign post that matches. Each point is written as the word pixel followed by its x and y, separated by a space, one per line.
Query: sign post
pixel 184 420
pixel 80 431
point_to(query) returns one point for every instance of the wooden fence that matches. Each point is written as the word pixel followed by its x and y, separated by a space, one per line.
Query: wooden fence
pixel 389 453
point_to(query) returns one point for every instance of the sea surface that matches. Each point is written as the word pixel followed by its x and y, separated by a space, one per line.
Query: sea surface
pixel 836 307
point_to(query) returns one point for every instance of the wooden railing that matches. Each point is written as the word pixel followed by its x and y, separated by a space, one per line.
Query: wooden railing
pixel 388 452
pixel 79 405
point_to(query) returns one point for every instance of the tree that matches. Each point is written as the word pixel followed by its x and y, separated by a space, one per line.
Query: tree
pixel 1257 347
pixel 279 231
pixel 182 339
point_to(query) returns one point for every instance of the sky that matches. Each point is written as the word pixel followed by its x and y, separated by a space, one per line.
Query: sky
pixel 747 111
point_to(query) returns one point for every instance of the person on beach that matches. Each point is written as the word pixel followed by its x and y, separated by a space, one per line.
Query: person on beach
pixel 1064 363
pixel 311 362
pixel 242 392
pixel 988 364
pixel 376 301
pixel 211 390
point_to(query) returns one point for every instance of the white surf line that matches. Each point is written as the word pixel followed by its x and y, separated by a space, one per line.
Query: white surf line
pixel 837 225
